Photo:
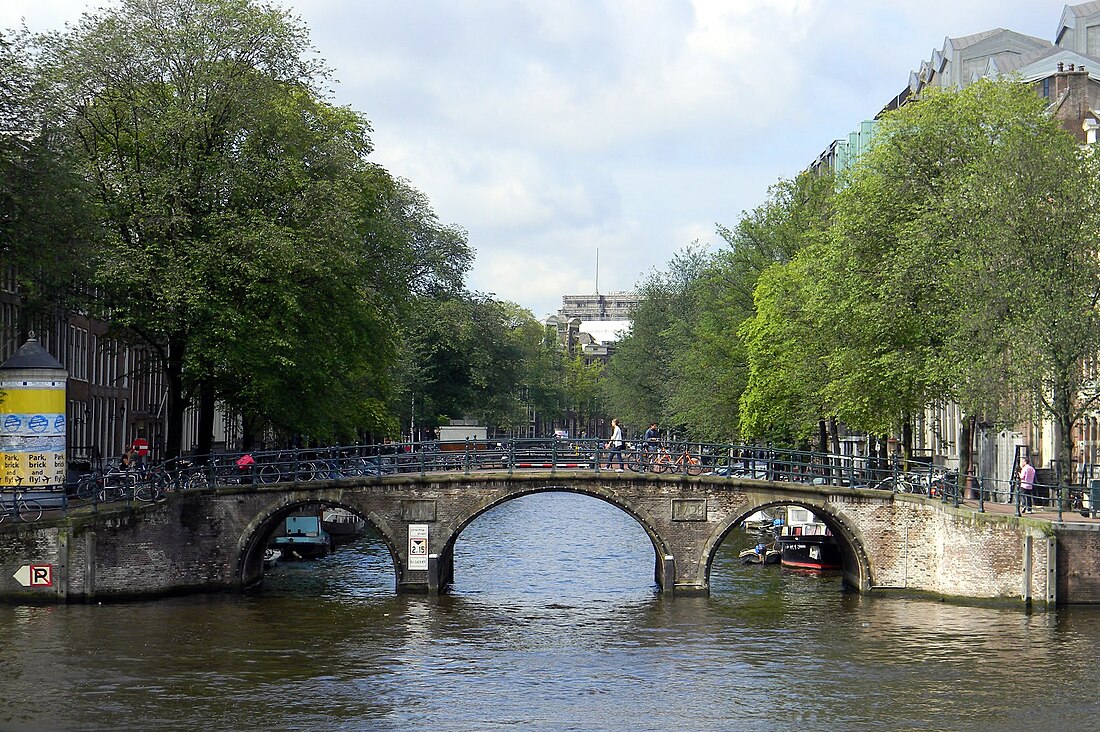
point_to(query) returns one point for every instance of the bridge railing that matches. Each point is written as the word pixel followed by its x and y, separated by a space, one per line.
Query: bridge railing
pixel 550 454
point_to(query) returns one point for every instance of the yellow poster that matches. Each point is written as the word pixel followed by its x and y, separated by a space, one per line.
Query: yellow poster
pixel 32 433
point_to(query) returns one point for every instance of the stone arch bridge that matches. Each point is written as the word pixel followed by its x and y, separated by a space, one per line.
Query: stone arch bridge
pixel 214 539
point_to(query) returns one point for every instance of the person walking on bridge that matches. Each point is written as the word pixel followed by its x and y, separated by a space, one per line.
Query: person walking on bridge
pixel 615 445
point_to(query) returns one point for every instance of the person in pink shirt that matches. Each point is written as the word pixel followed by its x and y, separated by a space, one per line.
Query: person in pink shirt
pixel 1027 484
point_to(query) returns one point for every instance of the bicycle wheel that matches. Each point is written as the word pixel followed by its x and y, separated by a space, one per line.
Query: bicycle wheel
pixel 147 492
pixel 897 485
pixel 161 481
pixel 86 488
pixel 307 471
pixel 635 461
pixel 197 481
pixel 350 467
pixel 269 474
pixel 694 468
pixel 886 484
pixel 30 510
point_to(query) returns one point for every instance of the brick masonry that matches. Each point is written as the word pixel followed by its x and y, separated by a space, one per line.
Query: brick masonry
pixel 214 540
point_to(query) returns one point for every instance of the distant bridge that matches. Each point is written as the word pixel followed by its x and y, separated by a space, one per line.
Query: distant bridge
pixel 213 538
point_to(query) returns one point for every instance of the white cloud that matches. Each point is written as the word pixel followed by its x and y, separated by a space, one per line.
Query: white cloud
pixel 551 130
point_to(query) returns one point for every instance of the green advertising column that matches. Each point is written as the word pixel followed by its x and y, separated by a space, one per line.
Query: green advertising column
pixel 32 419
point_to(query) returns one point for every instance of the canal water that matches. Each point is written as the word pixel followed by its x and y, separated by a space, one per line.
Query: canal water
pixel 554 624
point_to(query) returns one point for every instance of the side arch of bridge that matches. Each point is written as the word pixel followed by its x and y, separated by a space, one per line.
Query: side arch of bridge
pixel 855 563
pixel 256 534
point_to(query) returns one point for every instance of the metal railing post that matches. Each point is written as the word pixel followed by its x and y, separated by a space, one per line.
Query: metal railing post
pixel 511 456
pixel 554 456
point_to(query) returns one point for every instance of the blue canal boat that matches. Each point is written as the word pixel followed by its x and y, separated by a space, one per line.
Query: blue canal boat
pixel 302 538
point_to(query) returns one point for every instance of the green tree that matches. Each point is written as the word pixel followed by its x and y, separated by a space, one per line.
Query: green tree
pixel 1023 223
pixel 46 223
pixel 783 399
pixel 583 392
pixel 544 382
pixel 640 375
pixel 199 122
pixel 961 264
pixel 713 374
pixel 466 356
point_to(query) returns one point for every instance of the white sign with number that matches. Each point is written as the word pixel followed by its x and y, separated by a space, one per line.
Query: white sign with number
pixel 418 546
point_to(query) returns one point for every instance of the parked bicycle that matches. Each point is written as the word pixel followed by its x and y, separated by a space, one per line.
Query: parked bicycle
pixel 17 507
pixel 659 460
pixel 915 483
pixel 688 463
pixel 172 475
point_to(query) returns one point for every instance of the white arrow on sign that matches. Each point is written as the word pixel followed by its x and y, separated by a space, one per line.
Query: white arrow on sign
pixel 35 575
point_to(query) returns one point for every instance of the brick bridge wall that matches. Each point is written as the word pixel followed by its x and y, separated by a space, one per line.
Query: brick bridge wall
pixel 214 539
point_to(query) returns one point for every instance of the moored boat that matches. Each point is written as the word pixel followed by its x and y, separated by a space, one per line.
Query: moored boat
pixel 302 538
pixel 272 557
pixel 761 520
pixel 341 524
pixel 807 543
pixel 760 554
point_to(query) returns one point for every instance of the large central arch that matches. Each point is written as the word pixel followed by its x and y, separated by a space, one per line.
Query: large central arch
pixel 662 572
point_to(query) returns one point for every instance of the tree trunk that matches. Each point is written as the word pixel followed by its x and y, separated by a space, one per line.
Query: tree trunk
pixel 173 376
pixel 907 440
pixel 966 452
pixel 208 401
pixel 1063 435
pixel 251 427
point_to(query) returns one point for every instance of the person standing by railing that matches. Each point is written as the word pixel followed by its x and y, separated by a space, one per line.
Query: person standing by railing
pixel 615 445
pixel 1027 485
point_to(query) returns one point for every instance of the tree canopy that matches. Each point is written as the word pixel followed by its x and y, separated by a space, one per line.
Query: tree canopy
pixel 961 264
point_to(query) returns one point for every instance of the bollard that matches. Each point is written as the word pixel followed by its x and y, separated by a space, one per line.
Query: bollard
pixel 433 573
pixel 668 575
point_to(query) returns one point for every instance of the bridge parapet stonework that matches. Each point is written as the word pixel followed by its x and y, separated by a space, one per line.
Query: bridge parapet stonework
pixel 214 539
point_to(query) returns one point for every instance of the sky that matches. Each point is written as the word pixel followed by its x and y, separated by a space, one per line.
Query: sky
pixel 582 143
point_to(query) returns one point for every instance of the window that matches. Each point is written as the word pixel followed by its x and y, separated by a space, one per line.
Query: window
pixel 1092 40
pixel 78 353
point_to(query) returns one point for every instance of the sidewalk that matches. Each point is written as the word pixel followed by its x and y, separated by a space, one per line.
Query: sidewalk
pixel 1045 513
